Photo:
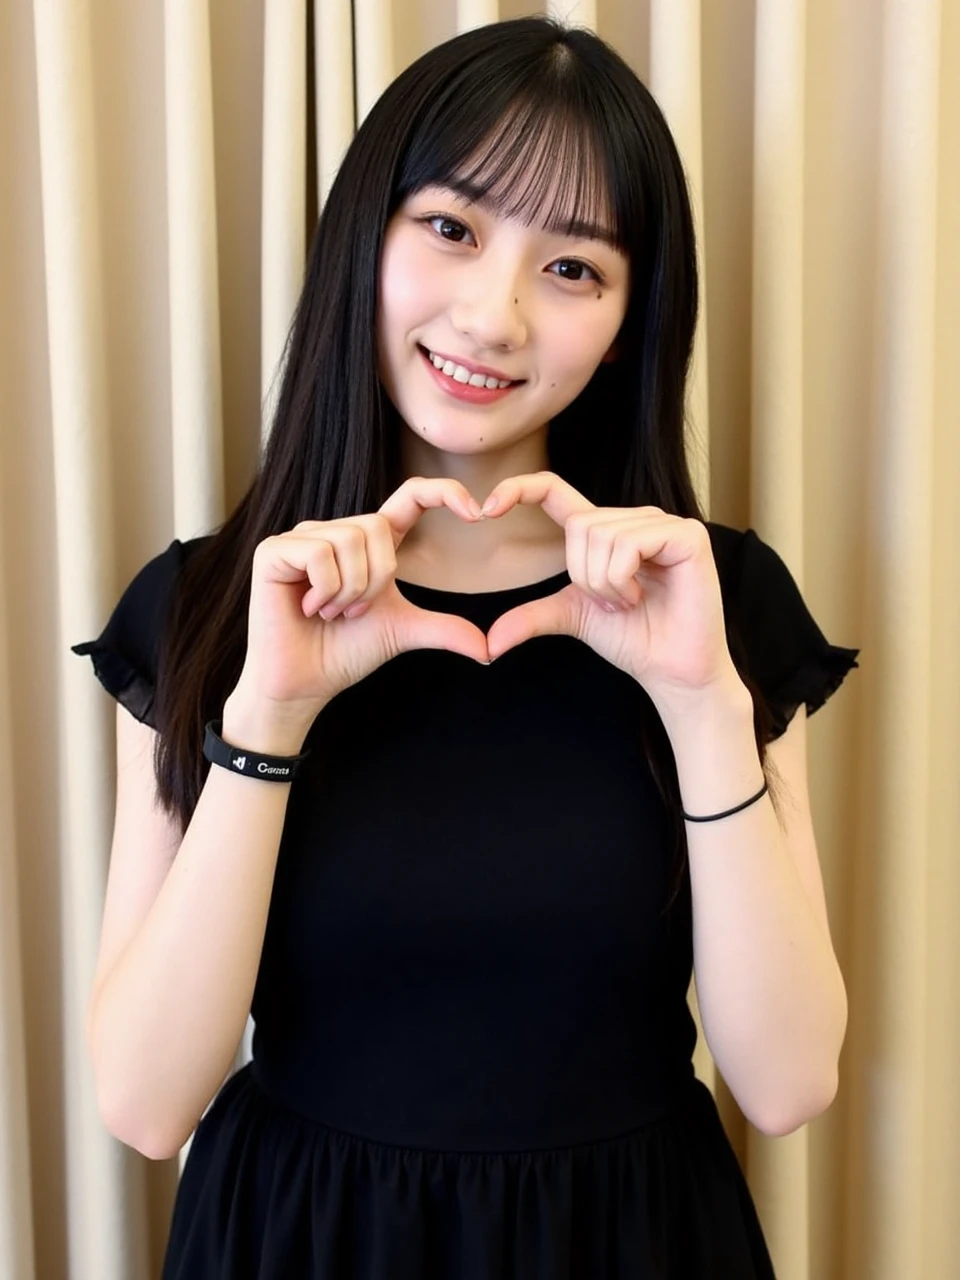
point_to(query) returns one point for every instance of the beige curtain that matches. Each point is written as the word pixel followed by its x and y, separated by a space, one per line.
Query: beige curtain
pixel 161 167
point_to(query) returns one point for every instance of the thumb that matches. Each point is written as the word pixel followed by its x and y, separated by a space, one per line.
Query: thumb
pixel 556 615
pixel 417 628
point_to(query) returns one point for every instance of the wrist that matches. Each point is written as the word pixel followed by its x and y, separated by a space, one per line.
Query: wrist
pixel 716 756
pixel 268 729
pixel 727 703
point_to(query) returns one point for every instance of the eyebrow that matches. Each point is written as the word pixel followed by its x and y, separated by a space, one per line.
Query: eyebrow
pixel 579 229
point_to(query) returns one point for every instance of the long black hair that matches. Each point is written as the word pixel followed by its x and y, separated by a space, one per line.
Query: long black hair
pixel 546 122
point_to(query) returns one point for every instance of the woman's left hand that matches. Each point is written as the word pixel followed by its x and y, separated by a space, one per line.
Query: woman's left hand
pixel 667 630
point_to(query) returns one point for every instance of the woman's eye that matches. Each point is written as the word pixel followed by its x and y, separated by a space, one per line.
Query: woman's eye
pixel 577 266
pixel 446 222
pixel 575 269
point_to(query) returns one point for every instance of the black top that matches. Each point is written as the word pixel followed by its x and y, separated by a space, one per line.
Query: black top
pixel 472 1048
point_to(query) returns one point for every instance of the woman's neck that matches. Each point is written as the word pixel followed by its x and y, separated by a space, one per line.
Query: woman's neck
pixel 500 567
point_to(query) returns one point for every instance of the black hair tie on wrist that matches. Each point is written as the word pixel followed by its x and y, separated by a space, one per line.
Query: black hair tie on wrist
pixel 713 816
pixel 250 763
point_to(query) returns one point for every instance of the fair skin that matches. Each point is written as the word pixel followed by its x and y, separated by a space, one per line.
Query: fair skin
pixel 484 289
pixel 532 304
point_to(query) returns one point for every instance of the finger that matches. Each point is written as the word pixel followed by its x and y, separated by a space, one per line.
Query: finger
pixel 381 568
pixel 288 560
pixel 575 532
pixel 626 561
pixel 309 526
pixel 381 559
pixel 323 573
pixel 541 488
pixel 597 553
pixel 407 504
pixel 583 561
pixel 603 537
pixel 357 610
pixel 667 540
pixel 346 578
pixel 588 558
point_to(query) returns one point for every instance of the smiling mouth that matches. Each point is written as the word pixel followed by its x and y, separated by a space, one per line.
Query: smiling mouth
pixel 465 377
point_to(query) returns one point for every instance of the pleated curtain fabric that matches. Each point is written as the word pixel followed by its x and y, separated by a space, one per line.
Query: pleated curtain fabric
pixel 161 166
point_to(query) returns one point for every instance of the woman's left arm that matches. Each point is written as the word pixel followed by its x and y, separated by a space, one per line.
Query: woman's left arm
pixel 771 995
pixel 645 595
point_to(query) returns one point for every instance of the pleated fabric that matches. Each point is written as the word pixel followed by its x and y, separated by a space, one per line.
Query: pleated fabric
pixel 268 1194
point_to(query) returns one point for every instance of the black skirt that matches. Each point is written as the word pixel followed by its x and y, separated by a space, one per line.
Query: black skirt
pixel 270 1194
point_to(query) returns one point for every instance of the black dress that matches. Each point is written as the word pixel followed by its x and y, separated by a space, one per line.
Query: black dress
pixel 472 1048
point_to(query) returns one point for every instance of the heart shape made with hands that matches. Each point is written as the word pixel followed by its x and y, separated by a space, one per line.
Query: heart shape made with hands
pixel 644 591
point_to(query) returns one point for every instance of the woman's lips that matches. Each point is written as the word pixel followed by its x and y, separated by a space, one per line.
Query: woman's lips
pixel 463 390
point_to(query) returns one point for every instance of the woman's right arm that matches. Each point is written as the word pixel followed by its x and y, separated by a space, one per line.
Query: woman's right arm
pixel 184 926
pixel 167 1019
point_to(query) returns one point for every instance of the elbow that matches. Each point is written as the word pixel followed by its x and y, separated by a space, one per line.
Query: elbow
pixel 151 1145
pixel 120 1124
pixel 809 1091
pixel 117 1118
pixel 787 1111
pixel 158 1151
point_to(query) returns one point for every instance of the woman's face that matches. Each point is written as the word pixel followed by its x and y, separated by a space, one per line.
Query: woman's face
pixel 475 288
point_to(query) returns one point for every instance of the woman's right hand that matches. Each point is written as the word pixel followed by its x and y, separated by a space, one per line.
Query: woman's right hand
pixel 297 661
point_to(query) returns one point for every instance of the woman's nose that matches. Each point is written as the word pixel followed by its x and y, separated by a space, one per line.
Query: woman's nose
pixel 490 310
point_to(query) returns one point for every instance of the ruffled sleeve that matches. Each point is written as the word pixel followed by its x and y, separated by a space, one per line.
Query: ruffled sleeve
pixel 125 654
pixel 785 652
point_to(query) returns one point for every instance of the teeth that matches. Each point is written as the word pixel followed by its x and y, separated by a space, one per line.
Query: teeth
pixel 460 374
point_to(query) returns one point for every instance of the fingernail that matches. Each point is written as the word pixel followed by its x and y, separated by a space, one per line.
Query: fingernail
pixel 473 506
pixel 610 608
pixel 490 504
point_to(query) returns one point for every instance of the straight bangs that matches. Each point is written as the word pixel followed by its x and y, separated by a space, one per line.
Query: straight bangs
pixel 529 142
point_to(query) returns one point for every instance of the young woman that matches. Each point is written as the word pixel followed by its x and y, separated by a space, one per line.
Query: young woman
pixel 483 787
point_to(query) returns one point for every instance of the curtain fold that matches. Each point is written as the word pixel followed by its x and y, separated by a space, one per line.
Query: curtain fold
pixel 893 1033
pixel 197 409
pixel 778 1168
pixel 374 22
pixel 17 1257
pixel 335 114
pixel 81 583
pixel 675 79
pixel 475 13
pixel 283 237
pixel 820 144
pixel 941 1097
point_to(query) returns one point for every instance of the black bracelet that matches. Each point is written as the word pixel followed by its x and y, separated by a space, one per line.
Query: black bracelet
pixel 250 763
pixel 713 816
